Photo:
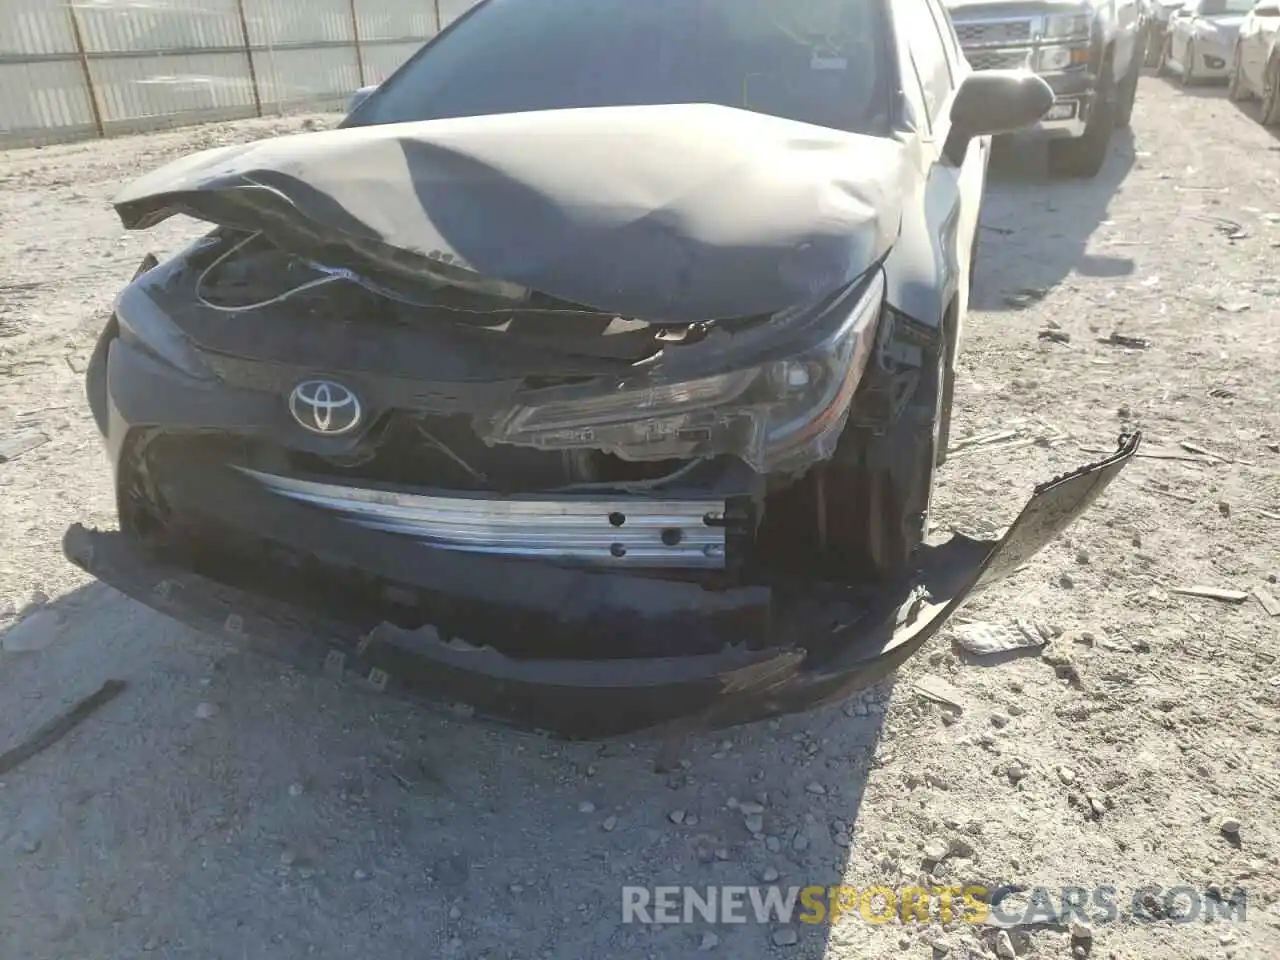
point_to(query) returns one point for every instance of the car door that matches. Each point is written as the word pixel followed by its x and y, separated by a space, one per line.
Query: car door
pixel 952 193
pixel 972 178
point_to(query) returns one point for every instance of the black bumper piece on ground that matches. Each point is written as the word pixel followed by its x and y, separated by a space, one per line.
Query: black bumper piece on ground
pixel 821 652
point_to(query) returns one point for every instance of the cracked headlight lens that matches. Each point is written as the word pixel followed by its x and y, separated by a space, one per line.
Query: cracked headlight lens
pixel 781 415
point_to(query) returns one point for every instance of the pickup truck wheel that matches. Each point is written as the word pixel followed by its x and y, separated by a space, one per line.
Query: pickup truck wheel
pixel 1235 82
pixel 1129 93
pixel 1271 94
pixel 1085 155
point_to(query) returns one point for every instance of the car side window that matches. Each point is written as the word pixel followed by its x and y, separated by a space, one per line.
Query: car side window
pixel 916 24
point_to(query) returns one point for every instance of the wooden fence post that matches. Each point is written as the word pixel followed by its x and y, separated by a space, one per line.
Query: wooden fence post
pixel 94 109
pixel 248 56
pixel 355 36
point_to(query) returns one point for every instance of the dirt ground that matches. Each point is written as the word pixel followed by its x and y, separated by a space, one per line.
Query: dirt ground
pixel 225 806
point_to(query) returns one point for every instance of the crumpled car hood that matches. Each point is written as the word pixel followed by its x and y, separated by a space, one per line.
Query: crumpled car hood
pixel 664 213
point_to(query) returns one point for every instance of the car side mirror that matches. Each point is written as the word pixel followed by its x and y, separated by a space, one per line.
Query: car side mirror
pixel 994 101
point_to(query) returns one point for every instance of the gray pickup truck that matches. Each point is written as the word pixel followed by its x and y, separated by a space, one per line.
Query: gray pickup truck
pixel 1090 53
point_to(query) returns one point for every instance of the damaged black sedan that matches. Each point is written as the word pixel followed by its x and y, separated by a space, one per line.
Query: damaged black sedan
pixel 593 373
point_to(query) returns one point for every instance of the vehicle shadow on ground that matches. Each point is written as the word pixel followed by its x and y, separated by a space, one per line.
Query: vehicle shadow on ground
pixel 225 801
pixel 1036 230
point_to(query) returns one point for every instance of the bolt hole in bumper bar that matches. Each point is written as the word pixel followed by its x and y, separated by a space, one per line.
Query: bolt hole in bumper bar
pixel 823 649
pixel 636 531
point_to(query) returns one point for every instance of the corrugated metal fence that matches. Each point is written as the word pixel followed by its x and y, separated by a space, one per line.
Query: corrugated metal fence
pixel 71 69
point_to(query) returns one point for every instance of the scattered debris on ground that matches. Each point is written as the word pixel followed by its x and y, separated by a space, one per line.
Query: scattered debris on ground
pixel 16 444
pixel 1268 601
pixel 54 730
pixel 984 639
pixel 1124 340
pixel 938 690
pixel 1212 593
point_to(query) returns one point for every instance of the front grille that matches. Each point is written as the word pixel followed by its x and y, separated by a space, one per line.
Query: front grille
pixel 998 59
pixel 990 34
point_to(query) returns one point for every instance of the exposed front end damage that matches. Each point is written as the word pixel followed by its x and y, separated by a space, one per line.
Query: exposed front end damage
pixel 589 450
pixel 810 644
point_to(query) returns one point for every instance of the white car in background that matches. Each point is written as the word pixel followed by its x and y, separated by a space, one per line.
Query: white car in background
pixel 1157 14
pixel 1255 61
pixel 1200 39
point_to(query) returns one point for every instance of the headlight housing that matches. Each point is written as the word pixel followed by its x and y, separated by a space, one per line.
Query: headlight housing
pixel 1067 26
pixel 144 324
pixel 1056 58
pixel 781 415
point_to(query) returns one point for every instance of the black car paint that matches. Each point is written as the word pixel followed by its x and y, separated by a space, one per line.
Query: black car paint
pixel 821 647
pixel 420 368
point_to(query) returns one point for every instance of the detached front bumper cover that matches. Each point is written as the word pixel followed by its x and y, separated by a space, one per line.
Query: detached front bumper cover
pixel 822 652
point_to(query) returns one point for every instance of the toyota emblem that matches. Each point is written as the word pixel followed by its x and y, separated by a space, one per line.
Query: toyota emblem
pixel 325 407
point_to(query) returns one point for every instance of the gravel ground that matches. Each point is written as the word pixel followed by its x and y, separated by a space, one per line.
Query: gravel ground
pixel 224 806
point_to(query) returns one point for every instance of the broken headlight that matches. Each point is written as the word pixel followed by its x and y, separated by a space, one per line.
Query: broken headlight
pixel 144 324
pixel 782 415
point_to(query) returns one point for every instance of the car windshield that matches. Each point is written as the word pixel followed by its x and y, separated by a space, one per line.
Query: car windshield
pixel 821 61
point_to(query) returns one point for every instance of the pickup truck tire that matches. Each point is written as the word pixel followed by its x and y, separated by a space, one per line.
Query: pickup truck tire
pixel 1129 92
pixel 1271 94
pixel 1084 155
